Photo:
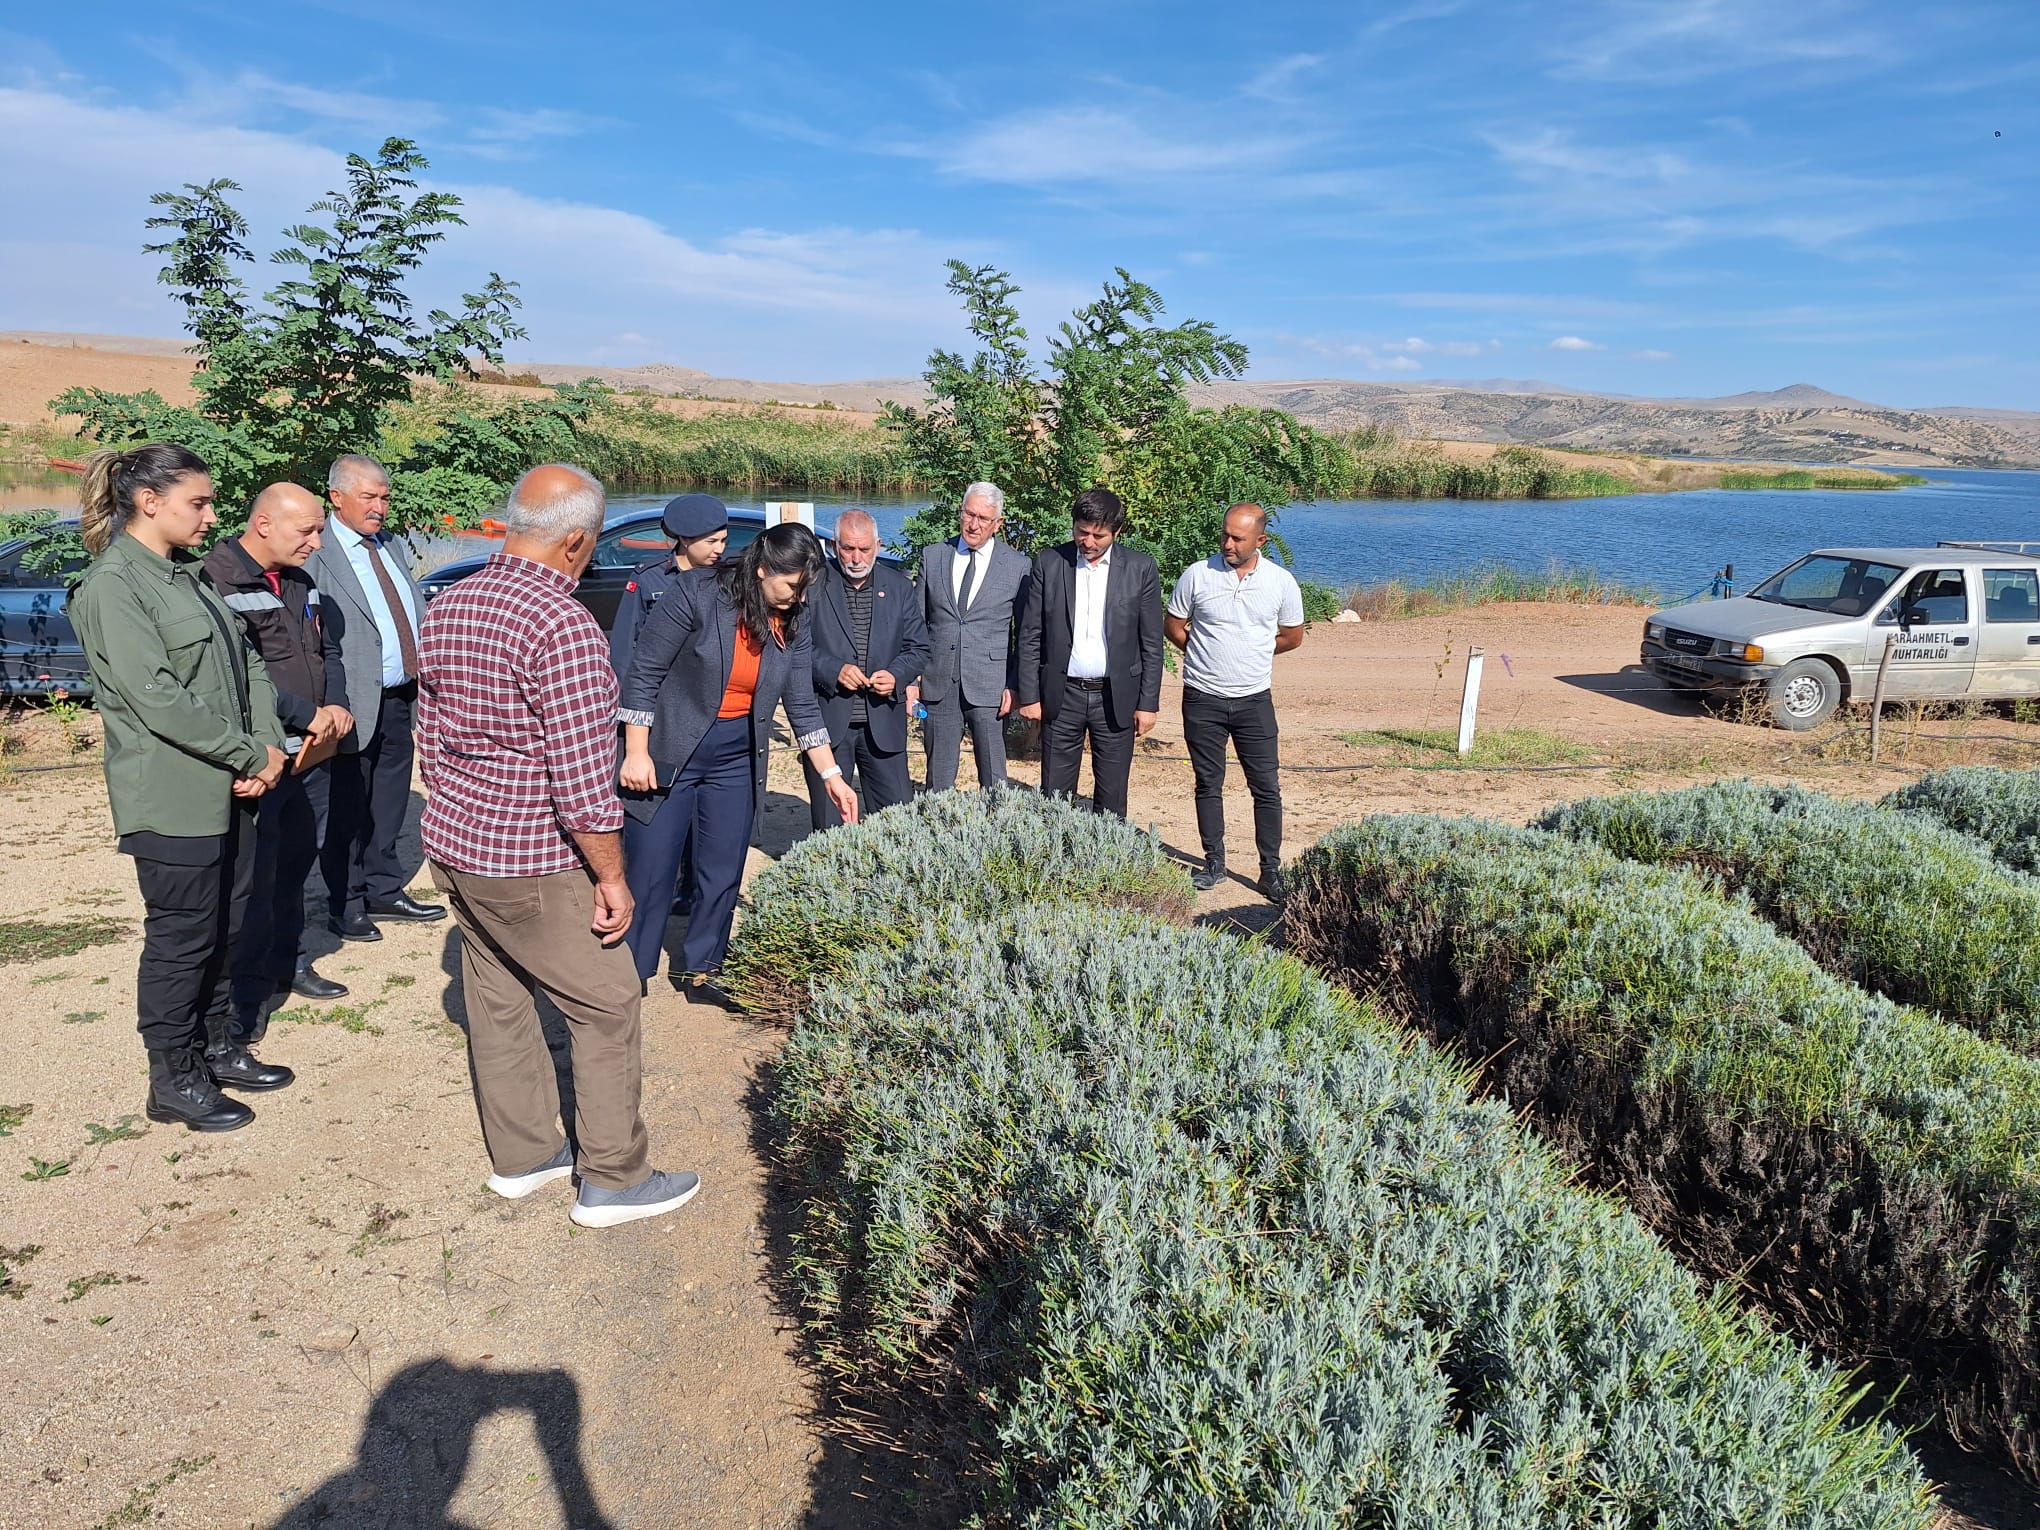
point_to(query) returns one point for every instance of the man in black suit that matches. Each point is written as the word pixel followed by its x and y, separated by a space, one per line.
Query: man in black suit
pixel 870 645
pixel 1091 652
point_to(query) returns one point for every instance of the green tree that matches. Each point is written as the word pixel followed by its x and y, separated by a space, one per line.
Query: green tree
pixel 289 383
pixel 1111 410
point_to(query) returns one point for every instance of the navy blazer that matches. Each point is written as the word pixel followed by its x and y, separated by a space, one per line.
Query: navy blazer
pixel 681 668
pixel 899 646
pixel 1133 632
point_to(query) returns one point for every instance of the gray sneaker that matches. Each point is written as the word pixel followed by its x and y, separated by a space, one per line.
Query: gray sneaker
pixel 514 1187
pixel 661 1191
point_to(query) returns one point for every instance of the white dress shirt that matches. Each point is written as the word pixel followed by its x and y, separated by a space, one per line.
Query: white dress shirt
pixel 961 566
pixel 1087 618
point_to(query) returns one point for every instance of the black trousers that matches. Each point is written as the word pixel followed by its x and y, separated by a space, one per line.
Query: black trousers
pixel 290 827
pixel 879 777
pixel 1249 723
pixel 194 893
pixel 1083 714
pixel 371 796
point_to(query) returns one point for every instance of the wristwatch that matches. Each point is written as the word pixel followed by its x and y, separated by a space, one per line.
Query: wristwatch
pixel 832 772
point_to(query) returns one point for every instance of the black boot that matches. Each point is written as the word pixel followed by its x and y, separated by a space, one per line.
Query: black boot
pixel 180 1090
pixel 251 1020
pixel 232 1066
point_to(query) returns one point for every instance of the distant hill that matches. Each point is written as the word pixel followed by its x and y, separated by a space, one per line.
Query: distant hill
pixel 1799 423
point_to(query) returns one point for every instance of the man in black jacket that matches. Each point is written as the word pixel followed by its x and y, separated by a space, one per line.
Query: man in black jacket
pixel 1091 652
pixel 261 575
pixel 870 645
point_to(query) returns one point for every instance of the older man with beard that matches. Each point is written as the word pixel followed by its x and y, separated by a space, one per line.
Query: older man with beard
pixel 870 645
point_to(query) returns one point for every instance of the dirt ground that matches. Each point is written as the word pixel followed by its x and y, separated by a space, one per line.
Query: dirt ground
pixel 325 1319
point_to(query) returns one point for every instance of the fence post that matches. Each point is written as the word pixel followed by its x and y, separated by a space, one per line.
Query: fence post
pixel 1877 697
pixel 1470 702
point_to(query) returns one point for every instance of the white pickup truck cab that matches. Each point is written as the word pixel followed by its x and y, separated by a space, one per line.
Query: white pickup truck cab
pixel 1961 622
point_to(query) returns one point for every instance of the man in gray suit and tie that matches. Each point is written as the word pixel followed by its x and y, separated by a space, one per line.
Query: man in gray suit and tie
pixel 968 590
pixel 374 603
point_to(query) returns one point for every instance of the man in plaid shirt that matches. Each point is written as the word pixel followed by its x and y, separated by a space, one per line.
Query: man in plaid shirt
pixel 517 745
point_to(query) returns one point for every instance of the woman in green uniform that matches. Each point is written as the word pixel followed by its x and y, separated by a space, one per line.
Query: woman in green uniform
pixel 191 741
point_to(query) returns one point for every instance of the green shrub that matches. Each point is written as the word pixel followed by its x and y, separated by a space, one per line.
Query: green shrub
pixel 1320 601
pixel 1870 1174
pixel 1999 807
pixel 1144 1226
pixel 872 883
pixel 1918 912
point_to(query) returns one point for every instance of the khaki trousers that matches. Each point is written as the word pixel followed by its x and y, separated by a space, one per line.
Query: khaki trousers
pixel 519 935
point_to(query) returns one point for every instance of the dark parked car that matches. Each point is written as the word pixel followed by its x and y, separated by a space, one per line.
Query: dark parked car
pixel 629 541
pixel 39 653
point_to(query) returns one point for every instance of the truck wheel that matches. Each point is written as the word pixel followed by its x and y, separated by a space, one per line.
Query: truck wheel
pixel 1803 695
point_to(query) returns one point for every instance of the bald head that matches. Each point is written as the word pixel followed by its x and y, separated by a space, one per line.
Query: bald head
pixel 1245 534
pixel 284 524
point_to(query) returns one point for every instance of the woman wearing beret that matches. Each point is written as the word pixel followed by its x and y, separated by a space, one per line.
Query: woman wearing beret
pixel 722 649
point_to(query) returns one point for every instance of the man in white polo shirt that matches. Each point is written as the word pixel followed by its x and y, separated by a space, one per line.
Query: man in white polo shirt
pixel 1231 615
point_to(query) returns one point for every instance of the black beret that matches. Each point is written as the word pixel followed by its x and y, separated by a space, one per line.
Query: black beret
pixel 695 515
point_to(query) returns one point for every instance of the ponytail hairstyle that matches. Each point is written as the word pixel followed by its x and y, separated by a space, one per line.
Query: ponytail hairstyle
pixel 788 548
pixel 113 479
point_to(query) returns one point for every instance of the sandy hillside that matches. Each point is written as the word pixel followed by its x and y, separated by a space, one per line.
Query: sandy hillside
pixel 324 1319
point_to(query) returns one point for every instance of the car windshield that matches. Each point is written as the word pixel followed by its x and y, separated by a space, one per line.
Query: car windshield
pixel 1824 582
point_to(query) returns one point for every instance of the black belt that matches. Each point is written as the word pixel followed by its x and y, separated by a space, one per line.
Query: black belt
pixel 1086 685
pixel 402 688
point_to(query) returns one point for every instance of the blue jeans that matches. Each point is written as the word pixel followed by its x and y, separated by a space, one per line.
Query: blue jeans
pixel 709 807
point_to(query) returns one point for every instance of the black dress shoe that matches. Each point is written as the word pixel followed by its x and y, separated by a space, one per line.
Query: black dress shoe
pixel 307 984
pixel 354 927
pixel 405 907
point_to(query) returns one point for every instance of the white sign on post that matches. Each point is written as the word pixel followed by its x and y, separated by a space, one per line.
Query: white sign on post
pixel 779 512
pixel 1470 702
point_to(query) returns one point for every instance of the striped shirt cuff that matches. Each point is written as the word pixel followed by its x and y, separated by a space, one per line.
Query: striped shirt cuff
pixel 633 719
pixel 813 740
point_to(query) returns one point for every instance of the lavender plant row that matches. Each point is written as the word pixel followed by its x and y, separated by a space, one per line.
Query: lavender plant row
pixel 1887 900
pixel 1148 1226
pixel 838 893
pixel 1998 808
pixel 1869 1173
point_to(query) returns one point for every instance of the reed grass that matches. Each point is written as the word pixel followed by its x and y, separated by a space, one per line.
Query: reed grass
pixel 1819 478
pixel 1384 467
pixel 638 444
pixel 1491 584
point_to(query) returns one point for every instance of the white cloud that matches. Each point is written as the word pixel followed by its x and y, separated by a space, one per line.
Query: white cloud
pixel 761 302
pixel 382 115
pixel 1393 356
pixel 1574 343
pixel 1277 81
pixel 1663 40
pixel 1097 145
pixel 1652 356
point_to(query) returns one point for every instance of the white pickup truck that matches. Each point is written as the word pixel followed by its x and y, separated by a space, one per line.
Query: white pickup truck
pixel 1961 621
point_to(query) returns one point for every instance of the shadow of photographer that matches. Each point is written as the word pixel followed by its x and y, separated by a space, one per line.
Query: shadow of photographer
pixel 420 1433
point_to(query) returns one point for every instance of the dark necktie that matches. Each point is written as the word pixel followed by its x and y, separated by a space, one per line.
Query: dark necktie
pixel 970 574
pixel 407 641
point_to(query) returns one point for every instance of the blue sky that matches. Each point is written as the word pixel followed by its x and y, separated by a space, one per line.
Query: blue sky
pixel 1661 197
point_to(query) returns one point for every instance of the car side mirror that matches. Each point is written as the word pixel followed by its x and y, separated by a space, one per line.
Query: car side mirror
pixel 1909 617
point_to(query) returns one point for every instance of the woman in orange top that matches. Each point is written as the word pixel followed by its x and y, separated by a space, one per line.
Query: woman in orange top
pixel 722 649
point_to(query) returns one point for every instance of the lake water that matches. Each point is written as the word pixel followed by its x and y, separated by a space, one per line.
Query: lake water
pixel 1672 543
